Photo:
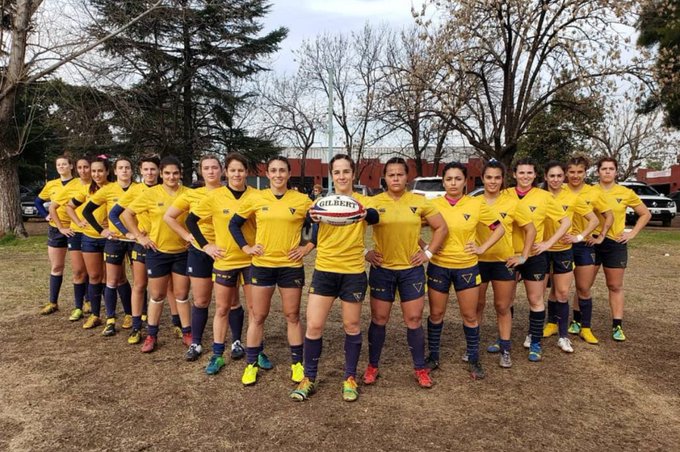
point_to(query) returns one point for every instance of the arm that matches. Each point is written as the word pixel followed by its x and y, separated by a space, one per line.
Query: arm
pixel 57 221
pixel 565 224
pixel 88 215
pixel 643 218
pixel 71 211
pixel 130 218
pixel 170 218
pixel 439 232
pixel 235 225
pixel 40 205
pixel 608 222
pixel 495 236
pixel 529 237
pixel 114 217
pixel 372 216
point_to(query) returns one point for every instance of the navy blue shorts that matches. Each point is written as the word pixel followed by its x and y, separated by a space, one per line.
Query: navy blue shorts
pixel 199 264
pixel 231 278
pixel 612 254
pixel 584 255
pixel 138 253
pixel 348 287
pixel 115 251
pixel 285 277
pixel 159 264
pixel 75 243
pixel 56 239
pixel 534 269
pixel 560 262
pixel 440 278
pixel 495 271
pixel 93 245
pixel 385 283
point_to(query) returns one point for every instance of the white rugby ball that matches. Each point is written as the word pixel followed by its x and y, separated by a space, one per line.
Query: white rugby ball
pixel 338 210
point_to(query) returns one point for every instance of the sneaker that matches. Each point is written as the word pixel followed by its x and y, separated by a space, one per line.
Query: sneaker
pixel 91 322
pixel 297 372
pixel 476 371
pixel 431 363
pixel 617 334
pixel 587 335
pixel 464 357
pixel 535 352
pixel 303 390
pixel 574 327
pixel 135 337
pixel 350 391
pixel 76 315
pixel 249 375
pixel 505 361
pixel 177 331
pixel 87 307
pixel 263 362
pixel 423 378
pixel 186 339
pixel 194 352
pixel 237 350
pixel 527 341
pixel 149 344
pixel 49 308
pixel 110 328
pixel 565 344
pixel 215 364
pixel 550 329
pixel 495 347
pixel 127 322
pixel 370 375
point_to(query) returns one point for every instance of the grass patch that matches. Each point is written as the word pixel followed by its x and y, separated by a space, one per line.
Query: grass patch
pixel 14 243
pixel 656 237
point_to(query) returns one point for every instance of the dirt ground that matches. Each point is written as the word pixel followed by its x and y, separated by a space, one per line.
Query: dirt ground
pixel 70 389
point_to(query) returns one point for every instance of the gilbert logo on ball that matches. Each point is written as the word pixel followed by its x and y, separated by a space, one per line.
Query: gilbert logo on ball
pixel 338 210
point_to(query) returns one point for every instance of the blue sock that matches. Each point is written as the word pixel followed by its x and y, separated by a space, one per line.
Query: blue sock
pixel 145 305
pixel 376 340
pixel 577 314
pixel 55 287
pixel 586 311
pixel 536 320
pixel 563 318
pixel 137 322
pixel 296 353
pixel 472 342
pixel 236 317
pixel 152 330
pixel 110 298
pixel 416 344
pixel 199 318
pixel 125 294
pixel 552 311
pixel 176 321
pixel 312 350
pixel 79 291
pixel 352 352
pixel 434 335
pixel 218 348
pixel 94 293
pixel 251 354
pixel 186 329
pixel 505 345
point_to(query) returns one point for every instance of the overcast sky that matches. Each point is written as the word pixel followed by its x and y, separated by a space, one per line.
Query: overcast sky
pixel 305 19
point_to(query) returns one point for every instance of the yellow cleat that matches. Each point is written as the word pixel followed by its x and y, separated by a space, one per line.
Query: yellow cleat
pixel 178 332
pixel 350 391
pixel 297 372
pixel 127 322
pixel 550 329
pixel 91 322
pixel 49 308
pixel 587 335
pixel 135 337
pixel 76 315
pixel 87 307
pixel 249 375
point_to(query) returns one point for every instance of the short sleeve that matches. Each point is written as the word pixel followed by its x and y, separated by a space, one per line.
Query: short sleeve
pixel 141 203
pixel 599 203
pixel 183 203
pixel 486 215
pixel 45 192
pixel 429 209
pixel 581 208
pixel 248 207
pixel 99 197
pixel 632 199
pixel 553 210
pixel 204 209
pixel 521 215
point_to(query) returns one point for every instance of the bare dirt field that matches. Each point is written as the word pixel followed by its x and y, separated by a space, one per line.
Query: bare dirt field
pixel 70 389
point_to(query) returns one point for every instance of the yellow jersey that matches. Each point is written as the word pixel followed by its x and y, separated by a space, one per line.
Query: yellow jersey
pixel 510 214
pixel 617 198
pixel 542 208
pixel 217 207
pixel 50 192
pixel 340 249
pixel 108 196
pixel 595 200
pixel 278 223
pixel 82 195
pixel 143 222
pixel 462 219
pixel 396 235
pixel 155 201
pixel 572 205
pixel 188 201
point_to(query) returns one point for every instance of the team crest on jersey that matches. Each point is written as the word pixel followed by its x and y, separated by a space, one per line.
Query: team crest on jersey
pixel 381 210
pixel 115 199
pixel 292 210
pixel 265 209
pixel 466 216
pixel 588 201
pixel 503 214
pixel 532 208
pixel 618 200
pixel 413 209
pixel 160 204
pixel 418 287
pixel 564 207
pixel 225 211
pixel 467 277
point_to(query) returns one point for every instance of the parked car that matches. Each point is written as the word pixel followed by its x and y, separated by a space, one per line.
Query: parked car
pixel 28 209
pixel 675 197
pixel 477 191
pixel 661 207
pixel 430 187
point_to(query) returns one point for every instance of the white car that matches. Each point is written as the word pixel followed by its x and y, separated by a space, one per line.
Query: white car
pixel 662 208
pixel 430 187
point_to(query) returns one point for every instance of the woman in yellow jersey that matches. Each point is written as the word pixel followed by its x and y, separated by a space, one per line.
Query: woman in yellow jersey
pixel 148 169
pixel 166 256
pixel 497 264
pixel 585 259
pixel 397 265
pixel 57 243
pixel 542 208
pixel 74 237
pixel 277 261
pixel 456 263
pixel 92 243
pixel 613 251
pixel 117 246
pixel 339 272
pixel 561 255
pixel 232 265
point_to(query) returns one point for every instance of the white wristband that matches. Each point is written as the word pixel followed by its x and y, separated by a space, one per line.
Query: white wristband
pixel 426 247
pixel 428 253
pixel 579 238
pixel 366 252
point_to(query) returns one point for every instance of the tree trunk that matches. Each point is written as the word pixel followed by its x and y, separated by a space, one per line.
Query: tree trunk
pixel 303 167
pixel 10 201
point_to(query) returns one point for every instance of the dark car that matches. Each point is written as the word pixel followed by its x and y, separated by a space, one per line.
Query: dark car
pixel 28 209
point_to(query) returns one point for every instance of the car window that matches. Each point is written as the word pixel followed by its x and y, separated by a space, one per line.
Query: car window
pixel 644 190
pixel 428 185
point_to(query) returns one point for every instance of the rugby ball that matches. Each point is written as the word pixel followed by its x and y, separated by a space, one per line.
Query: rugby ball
pixel 338 210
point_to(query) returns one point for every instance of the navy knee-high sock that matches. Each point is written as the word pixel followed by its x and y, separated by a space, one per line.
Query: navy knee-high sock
pixel 110 298
pixel 296 353
pixel 536 320
pixel 563 318
pixel 152 330
pixel 94 293
pixel 434 335
pixel 552 311
pixel 312 351
pixel 55 287
pixel 145 305
pixel 175 320
pixel 472 342
pixel 136 322
pixel 235 318
pixel 87 289
pixel 416 344
pixel 376 340
pixel 218 348
pixel 251 354
pixel 79 290
pixel 125 294
pixel 352 352
pixel 586 307
pixel 199 318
